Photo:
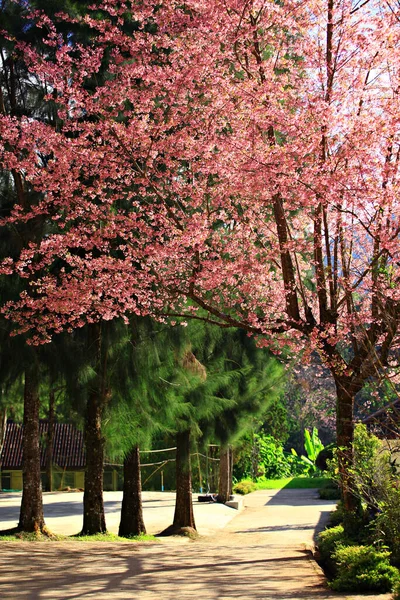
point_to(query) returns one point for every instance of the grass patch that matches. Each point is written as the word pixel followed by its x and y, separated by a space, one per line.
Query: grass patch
pixel 111 537
pixel 13 535
pixel 297 483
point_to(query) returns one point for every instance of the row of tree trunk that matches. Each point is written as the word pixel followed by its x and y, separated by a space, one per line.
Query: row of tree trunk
pixel 31 514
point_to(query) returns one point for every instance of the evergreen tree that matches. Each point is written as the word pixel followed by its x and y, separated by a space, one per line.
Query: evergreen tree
pixel 224 381
pixel 143 404
pixel 22 96
pixel 257 385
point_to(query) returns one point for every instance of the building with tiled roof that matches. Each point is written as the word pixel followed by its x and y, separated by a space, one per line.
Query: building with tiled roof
pixel 69 459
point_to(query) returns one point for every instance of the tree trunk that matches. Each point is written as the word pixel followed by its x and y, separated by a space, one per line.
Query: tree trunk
pixel 3 428
pixel 93 505
pixel 224 484
pixel 50 436
pixel 213 480
pixel 31 514
pixel 230 469
pixel 345 438
pixel 183 516
pixel 132 511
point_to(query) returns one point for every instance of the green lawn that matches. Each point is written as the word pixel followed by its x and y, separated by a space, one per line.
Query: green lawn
pixel 293 483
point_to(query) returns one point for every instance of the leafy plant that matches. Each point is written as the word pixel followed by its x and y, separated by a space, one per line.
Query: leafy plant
pixel 331 491
pixel 273 462
pixel 376 484
pixel 337 516
pixel 312 446
pixel 244 487
pixel 387 522
pixel 396 591
pixel 363 569
pixel 328 541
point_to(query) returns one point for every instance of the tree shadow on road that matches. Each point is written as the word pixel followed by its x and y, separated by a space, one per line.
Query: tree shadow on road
pixel 118 572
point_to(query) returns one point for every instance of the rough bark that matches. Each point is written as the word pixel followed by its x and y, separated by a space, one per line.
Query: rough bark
pixel 50 436
pixel 3 427
pixel 93 505
pixel 183 516
pixel 132 511
pixel 345 438
pixel 230 469
pixel 31 514
pixel 224 484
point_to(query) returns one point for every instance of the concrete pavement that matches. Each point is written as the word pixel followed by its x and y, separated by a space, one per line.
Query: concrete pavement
pixel 63 512
pixel 261 553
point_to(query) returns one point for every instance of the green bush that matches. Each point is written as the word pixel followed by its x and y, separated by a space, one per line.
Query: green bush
pixel 396 591
pixel 244 487
pixel 328 540
pixel 387 523
pixel 331 491
pixel 375 484
pixel 261 455
pixel 363 569
pixel 337 516
pixel 313 446
pixel 273 462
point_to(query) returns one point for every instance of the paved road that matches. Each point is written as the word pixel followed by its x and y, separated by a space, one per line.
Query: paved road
pixel 260 554
pixel 63 512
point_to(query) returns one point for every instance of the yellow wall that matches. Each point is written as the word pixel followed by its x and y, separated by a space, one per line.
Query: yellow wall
pixel 79 479
pixel 16 480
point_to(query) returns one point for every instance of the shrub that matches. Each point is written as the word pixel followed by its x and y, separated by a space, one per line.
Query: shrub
pixel 337 516
pixel 396 591
pixel 387 522
pixel 328 540
pixel 244 487
pixel 273 462
pixel 262 455
pixel 363 569
pixel 376 485
pixel 331 491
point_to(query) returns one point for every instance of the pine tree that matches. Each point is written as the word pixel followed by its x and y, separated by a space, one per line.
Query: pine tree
pixel 142 405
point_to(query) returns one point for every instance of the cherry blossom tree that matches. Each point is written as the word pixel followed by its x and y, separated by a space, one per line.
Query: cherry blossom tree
pixel 239 165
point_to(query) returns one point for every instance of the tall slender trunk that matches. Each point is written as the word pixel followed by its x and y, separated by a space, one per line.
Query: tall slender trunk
pixel 213 479
pixel 3 428
pixel 50 436
pixel 31 514
pixel 224 484
pixel 183 516
pixel 345 438
pixel 230 470
pixel 93 505
pixel 132 511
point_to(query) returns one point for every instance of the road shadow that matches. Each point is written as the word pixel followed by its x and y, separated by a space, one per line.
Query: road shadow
pixel 270 528
pixel 289 496
pixel 128 571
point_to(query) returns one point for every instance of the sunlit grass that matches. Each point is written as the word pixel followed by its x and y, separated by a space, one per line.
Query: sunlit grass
pixel 111 537
pixel 13 535
pixel 292 483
